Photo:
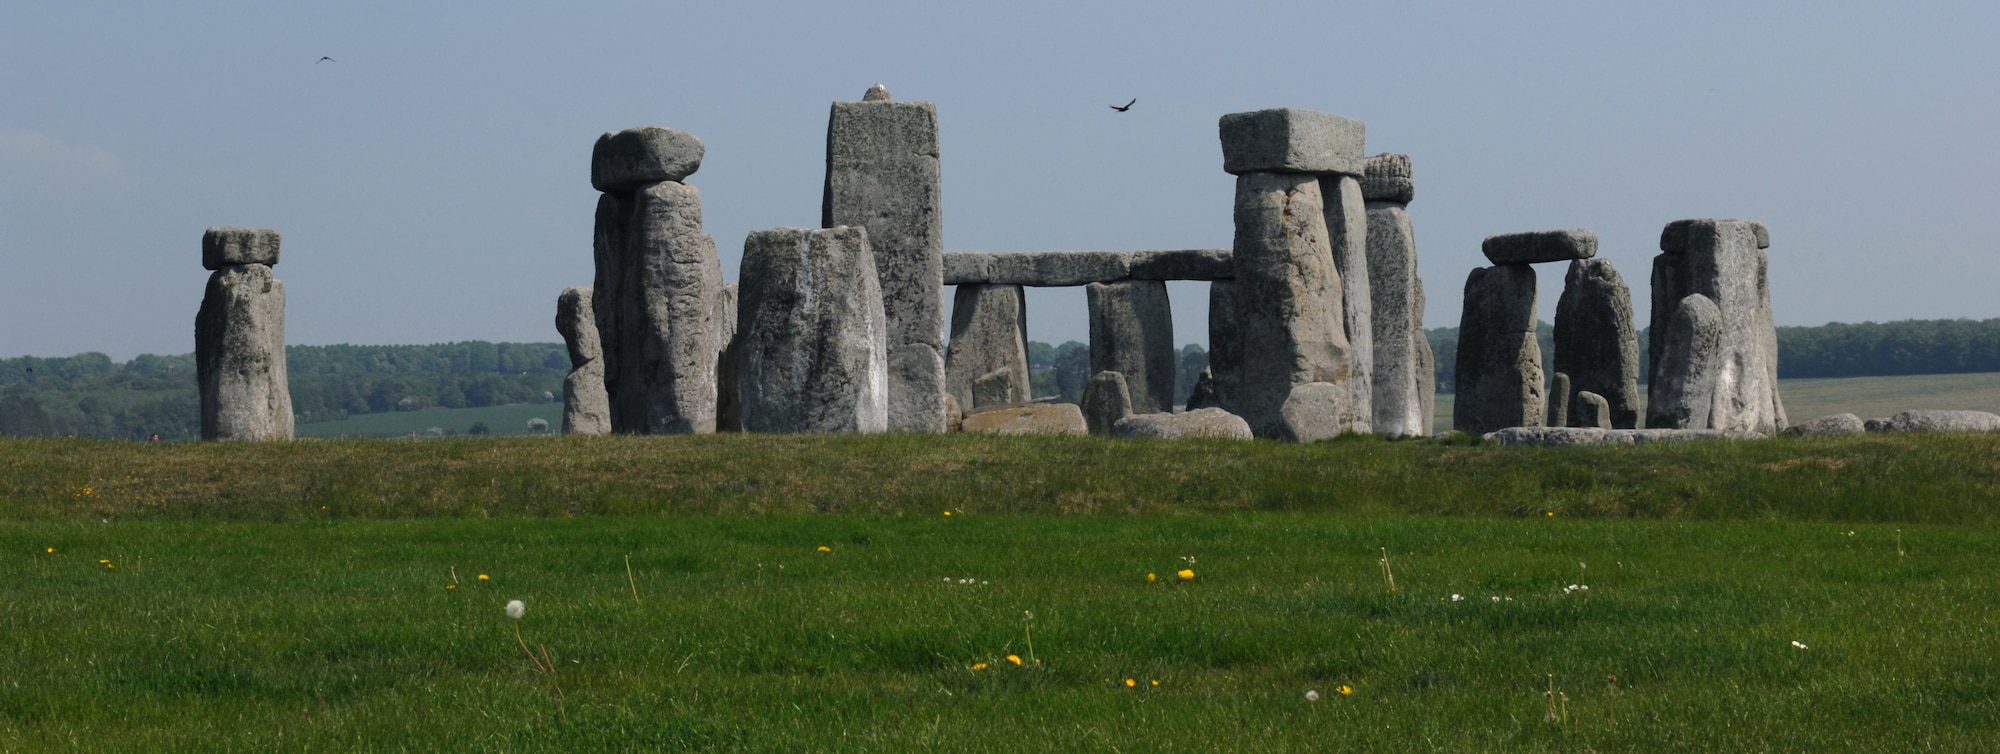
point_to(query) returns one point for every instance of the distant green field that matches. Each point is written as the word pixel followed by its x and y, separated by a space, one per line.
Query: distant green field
pixel 1866 397
pixel 500 420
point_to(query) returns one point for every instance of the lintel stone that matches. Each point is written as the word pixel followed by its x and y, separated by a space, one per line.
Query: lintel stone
pixel 226 246
pixel 625 160
pixel 1291 140
pixel 1540 246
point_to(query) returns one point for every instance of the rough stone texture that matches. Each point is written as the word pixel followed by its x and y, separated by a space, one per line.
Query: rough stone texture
pixel 1106 400
pixel 1558 402
pixel 632 158
pixel 239 351
pixel 1028 419
pixel 1386 178
pixel 882 174
pixel 1203 422
pixel 1279 324
pixel 1132 333
pixel 1837 424
pixel 1347 234
pixel 1401 358
pixel 1720 259
pixel 989 332
pixel 954 417
pixel 1540 246
pixel 1182 264
pixel 1203 394
pixel 1059 268
pixel 1939 421
pixel 1291 140
pixel 658 281
pixel 1565 436
pixel 729 353
pixel 1426 370
pixel 1225 344
pixel 1499 361
pixel 221 247
pixel 1591 410
pixel 967 267
pixel 1067 268
pixel 815 340
pixel 1316 411
pixel 1682 393
pixel 1000 387
pixel 586 408
pixel 1594 338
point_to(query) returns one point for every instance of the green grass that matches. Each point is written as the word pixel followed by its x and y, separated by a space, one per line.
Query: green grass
pixel 500 420
pixel 1867 397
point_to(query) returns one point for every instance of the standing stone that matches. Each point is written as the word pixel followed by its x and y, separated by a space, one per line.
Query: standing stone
pixel 996 388
pixel 1499 361
pixel 989 332
pixel 1203 393
pixel 1594 339
pixel 728 395
pixel 239 339
pixel 1558 400
pixel 1132 334
pixel 1400 370
pixel 814 337
pixel 1724 261
pixel 1347 235
pixel 1592 411
pixel 586 408
pixel 658 285
pixel 882 174
pixel 1314 412
pixel 1682 393
pixel 1106 400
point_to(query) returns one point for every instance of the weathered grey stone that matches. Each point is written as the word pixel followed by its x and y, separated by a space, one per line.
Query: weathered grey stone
pixel 1291 140
pixel 1225 345
pixel 1426 369
pixel 1106 400
pixel 1876 425
pixel 1837 424
pixel 1595 342
pixel 1644 436
pixel 586 408
pixel 1941 421
pixel 882 174
pixel 1182 264
pixel 1317 411
pixel 1558 402
pixel 729 353
pixel 1401 358
pixel 1591 410
pixel 1386 178
pixel 1540 246
pixel 1000 387
pixel 658 281
pixel 1203 394
pixel 221 247
pixel 1132 333
pixel 1068 268
pixel 1682 393
pixel 1059 268
pixel 954 417
pixel 967 267
pixel 814 338
pixel 1279 324
pixel 1028 419
pixel 1347 235
pixel 1719 259
pixel 1565 436
pixel 989 332
pixel 239 351
pixel 1499 368
pixel 628 159
pixel 1203 422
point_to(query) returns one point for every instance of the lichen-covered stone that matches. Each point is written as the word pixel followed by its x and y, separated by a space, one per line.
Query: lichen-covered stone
pixel 1347 235
pixel 1182 264
pixel 1059 268
pixel 1400 369
pixel 1499 368
pixel 729 353
pixel 1106 399
pixel 239 350
pixel 1595 342
pixel 658 281
pixel 814 338
pixel 635 157
pixel 989 332
pixel 1291 140
pixel 967 268
pixel 1540 246
pixel 1028 419
pixel 1683 392
pixel 1132 334
pixel 221 247
pixel 1720 260
pixel 1203 422
pixel 586 408
pixel 1000 387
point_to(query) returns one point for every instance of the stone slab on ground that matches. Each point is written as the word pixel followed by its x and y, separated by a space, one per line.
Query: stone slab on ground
pixel 1028 419
pixel 1938 421
pixel 1566 436
pixel 1202 422
pixel 1837 424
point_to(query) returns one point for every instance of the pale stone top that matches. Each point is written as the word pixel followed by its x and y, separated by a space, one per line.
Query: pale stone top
pixel 227 246
pixel 876 93
pixel 625 160
pixel 1674 237
pixel 1540 246
pixel 1291 140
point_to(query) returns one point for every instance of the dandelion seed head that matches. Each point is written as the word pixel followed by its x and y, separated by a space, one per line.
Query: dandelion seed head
pixel 1312 695
pixel 1458 598
pixel 515 609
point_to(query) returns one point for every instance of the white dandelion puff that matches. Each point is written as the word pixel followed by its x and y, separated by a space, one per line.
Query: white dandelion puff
pixel 1312 695
pixel 515 609
pixel 1799 644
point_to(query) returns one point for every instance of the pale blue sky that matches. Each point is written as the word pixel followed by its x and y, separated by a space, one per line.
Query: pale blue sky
pixel 433 183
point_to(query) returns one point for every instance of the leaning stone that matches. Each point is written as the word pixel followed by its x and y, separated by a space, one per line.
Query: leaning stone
pixel 1347 234
pixel 1132 333
pixel 628 159
pixel 1594 338
pixel 1540 246
pixel 658 281
pixel 227 246
pixel 989 332
pixel 1105 400
pixel 1591 410
pixel 1837 424
pixel 1719 259
pixel 1291 140
pixel 586 408
pixel 1203 394
pixel 1682 394
pixel 239 350
pixel 1942 421
pixel 1558 401
pixel 1059 268
pixel 1182 264
pixel 1499 368
pixel 1386 178
pixel 1203 422
pixel 1401 359
pixel 815 341
pixel 1028 419
pixel 996 388
pixel 1317 411
pixel 967 267
pixel 882 174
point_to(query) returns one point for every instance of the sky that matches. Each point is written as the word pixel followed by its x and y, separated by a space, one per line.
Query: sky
pixel 432 181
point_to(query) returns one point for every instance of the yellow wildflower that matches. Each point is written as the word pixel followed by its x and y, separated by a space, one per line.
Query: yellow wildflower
pixel 52 551
pixel 1187 574
pixel 978 666
pixel 451 586
pixel 1345 689
pixel 947 514
pixel 1016 659
pixel 1129 683
pixel 824 548
pixel 1150 577
pixel 482 577
pixel 1156 683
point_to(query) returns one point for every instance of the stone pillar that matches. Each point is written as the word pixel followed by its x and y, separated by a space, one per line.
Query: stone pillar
pixel 586 408
pixel 1558 401
pixel 1688 357
pixel 658 283
pixel 1499 362
pixel 1106 400
pixel 1595 341
pixel 728 396
pixel 989 333
pixel 239 339
pixel 1132 333
pixel 882 174
pixel 1400 371
pixel 1347 235
pixel 1724 262
pixel 1285 312
pixel 814 338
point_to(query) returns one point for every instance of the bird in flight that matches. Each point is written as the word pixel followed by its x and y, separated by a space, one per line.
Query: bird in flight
pixel 324 59
pixel 1127 106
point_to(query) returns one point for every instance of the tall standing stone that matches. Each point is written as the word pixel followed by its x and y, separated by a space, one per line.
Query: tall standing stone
pixel 1132 333
pixel 1347 235
pixel 658 284
pixel 814 337
pixel 239 339
pixel 586 408
pixel 1723 261
pixel 1499 361
pixel 882 174
pixel 989 333
pixel 1595 341
pixel 1400 370
pixel 1687 364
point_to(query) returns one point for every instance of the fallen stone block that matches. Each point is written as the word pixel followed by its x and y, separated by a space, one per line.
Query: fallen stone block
pixel 1203 422
pixel 1291 140
pixel 625 160
pixel 1591 410
pixel 1540 246
pixel 1940 421
pixel 1837 424
pixel 1028 419
pixel 999 387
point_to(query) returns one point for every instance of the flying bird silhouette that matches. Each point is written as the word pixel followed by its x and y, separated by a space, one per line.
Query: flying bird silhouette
pixel 324 59
pixel 1127 106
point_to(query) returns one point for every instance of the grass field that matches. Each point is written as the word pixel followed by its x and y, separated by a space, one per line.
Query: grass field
pixel 1786 594
pixel 500 420
pixel 1866 397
